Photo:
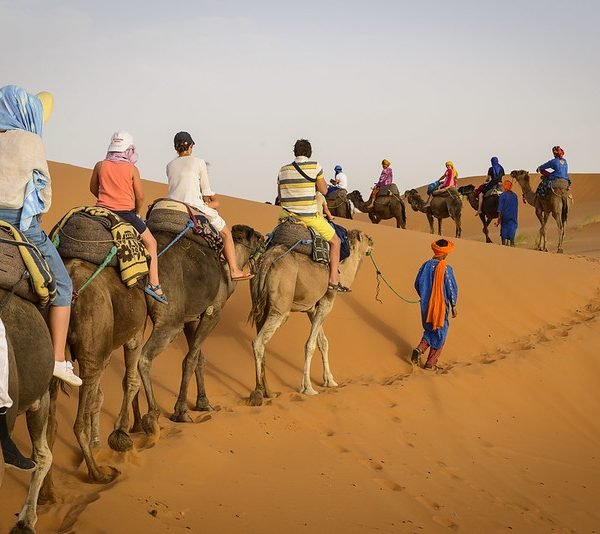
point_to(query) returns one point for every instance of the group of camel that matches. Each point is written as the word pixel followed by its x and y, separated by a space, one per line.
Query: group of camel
pixel 108 315
pixel 449 205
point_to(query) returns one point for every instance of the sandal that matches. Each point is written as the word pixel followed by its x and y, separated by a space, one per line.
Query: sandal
pixel 152 291
pixel 338 287
pixel 431 368
pixel 245 276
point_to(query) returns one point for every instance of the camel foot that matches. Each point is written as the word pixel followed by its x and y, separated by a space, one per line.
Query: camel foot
pixel 120 441
pixel 256 398
pixel 104 478
pixel 202 405
pixel 560 251
pixel 137 427
pixel 21 528
pixel 95 443
pixel 308 390
pixel 331 383
pixel 181 417
pixel 488 240
pixel 150 424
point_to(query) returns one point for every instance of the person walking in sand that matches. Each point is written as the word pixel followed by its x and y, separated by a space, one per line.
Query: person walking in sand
pixel 385 178
pixel 26 193
pixel 437 288
pixel 508 210
pixel 117 185
pixel 298 183
pixel 188 182
pixel 447 180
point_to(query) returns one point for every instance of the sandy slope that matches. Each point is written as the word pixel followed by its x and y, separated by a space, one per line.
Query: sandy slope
pixel 505 440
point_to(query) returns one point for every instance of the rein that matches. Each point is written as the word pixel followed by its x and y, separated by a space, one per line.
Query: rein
pixel 380 277
pixel 100 268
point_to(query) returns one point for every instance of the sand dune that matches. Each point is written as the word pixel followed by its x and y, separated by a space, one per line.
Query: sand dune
pixel 506 439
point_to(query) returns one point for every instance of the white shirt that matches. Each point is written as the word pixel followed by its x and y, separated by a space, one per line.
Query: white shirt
pixel 342 180
pixel 188 181
pixel 21 153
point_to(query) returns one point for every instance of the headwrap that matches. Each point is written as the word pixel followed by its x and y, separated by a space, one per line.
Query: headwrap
pixel 436 309
pixel 558 152
pixel 507 185
pixel 454 171
pixel 497 169
pixel 21 111
pixel 121 148
pixel 386 162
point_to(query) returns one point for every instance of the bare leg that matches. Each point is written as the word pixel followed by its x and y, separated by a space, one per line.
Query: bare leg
pixel 335 246
pixel 152 248
pixel 229 253
pixel 58 323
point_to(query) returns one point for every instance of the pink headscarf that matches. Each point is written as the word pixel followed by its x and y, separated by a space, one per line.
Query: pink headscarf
pixel 129 155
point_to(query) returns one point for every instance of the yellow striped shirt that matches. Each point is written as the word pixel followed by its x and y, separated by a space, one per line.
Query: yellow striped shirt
pixel 296 193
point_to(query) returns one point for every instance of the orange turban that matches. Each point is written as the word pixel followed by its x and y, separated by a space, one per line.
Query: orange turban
pixel 507 185
pixel 385 162
pixel 557 152
pixel 436 310
pixel 439 251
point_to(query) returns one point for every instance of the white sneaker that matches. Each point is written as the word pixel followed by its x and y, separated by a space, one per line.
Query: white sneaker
pixel 64 371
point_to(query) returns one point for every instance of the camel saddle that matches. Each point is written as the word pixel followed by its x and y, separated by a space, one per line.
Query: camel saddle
pixel 496 190
pixel 337 194
pixel 172 216
pixel 548 185
pixel 448 192
pixel 23 269
pixel 297 237
pixel 388 190
pixel 89 233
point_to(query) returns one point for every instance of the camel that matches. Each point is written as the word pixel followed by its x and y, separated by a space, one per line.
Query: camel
pixel 441 207
pixel 198 285
pixel 384 207
pixel 555 203
pixel 489 209
pixel 31 362
pixel 294 283
pixel 339 205
pixel 105 316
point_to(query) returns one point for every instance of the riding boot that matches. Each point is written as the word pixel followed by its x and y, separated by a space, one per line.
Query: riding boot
pixel 12 455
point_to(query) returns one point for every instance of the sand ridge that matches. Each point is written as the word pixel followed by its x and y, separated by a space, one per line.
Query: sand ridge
pixel 505 439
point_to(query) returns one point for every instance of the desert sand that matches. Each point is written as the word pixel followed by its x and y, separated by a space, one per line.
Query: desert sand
pixel 506 439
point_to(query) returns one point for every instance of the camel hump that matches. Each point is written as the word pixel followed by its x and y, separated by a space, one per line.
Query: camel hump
pixel 337 194
pixel 173 217
pixel 85 237
pixel 387 190
pixel 23 269
pixel 560 183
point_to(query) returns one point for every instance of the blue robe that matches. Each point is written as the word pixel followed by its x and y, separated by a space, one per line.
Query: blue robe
pixel 423 285
pixel 508 208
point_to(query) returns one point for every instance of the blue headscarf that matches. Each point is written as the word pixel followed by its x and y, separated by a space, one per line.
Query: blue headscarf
pixel 497 169
pixel 21 111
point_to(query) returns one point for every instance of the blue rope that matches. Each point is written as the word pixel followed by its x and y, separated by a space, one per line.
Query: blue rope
pixel 299 242
pixel 189 225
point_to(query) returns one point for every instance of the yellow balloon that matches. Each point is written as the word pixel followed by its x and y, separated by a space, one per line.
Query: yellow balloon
pixel 47 101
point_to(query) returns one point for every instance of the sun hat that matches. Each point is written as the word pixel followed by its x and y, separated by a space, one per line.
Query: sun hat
pixel 120 141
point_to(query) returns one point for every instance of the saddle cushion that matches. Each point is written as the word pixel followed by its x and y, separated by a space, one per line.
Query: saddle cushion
pixel 547 185
pixel 172 217
pixel 496 190
pixel 23 269
pixel 449 191
pixel 337 194
pixel 387 190
pixel 299 238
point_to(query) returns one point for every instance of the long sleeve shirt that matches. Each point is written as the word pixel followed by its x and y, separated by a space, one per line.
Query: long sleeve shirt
pixel 385 178
pixel 559 168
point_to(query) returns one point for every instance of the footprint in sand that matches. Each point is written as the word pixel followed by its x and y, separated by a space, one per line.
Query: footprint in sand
pixel 372 464
pixel 388 484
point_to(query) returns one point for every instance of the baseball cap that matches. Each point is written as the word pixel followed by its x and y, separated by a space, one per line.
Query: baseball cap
pixel 120 141
pixel 183 138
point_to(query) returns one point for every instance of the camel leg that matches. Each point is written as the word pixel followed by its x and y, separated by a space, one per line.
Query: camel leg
pixel 47 492
pixel 202 403
pixel 430 221
pixel 83 423
pixel 323 344
pixel 316 319
pixel 557 213
pixel 119 439
pixel 485 220
pixel 439 226
pixel 98 399
pixel 137 415
pixel 159 339
pixel 543 218
pixel 37 425
pixel 190 363
pixel 266 332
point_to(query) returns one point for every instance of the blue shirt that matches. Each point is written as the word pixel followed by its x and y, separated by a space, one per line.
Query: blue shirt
pixel 508 207
pixel 559 166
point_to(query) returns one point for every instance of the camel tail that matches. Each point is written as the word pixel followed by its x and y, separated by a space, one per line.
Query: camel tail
pixel 259 290
pixel 565 210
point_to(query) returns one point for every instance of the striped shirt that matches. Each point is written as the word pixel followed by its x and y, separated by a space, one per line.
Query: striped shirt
pixel 297 194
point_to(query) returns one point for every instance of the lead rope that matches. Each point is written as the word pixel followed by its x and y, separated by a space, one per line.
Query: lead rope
pixel 100 268
pixel 379 275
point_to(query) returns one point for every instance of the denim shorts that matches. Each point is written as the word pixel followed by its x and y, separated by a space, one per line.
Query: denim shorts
pixel 132 218
pixel 35 234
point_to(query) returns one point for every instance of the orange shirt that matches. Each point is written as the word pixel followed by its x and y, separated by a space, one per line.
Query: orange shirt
pixel 115 186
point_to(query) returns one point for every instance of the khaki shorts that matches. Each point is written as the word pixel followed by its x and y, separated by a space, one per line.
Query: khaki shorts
pixel 316 222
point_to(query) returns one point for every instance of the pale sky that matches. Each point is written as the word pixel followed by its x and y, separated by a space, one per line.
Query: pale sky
pixel 416 82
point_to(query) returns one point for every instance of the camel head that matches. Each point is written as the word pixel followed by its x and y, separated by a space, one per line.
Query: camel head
pixel 360 242
pixel 355 196
pixel 250 241
pixel 466 190
pixel 414 199
pixel 520 176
